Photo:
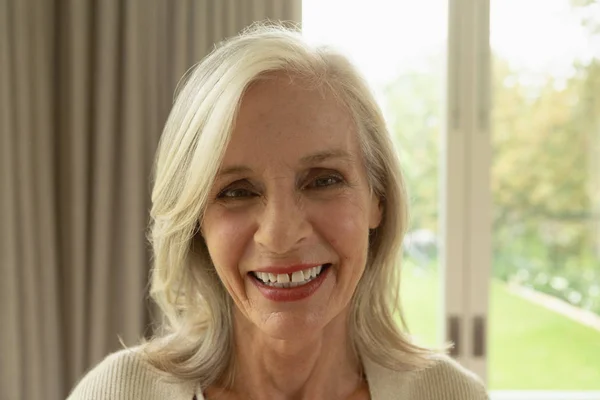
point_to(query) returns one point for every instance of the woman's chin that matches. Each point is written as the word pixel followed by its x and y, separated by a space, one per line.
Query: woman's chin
pixel 288 320
pixel 291 325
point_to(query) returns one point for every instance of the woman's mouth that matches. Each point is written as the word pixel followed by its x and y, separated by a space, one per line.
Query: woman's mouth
pixel 297 278
pixel 286 287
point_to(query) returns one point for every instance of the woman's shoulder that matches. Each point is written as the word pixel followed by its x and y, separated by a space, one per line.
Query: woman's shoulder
pixel 127 375
pixel 443 379
pixel 447 379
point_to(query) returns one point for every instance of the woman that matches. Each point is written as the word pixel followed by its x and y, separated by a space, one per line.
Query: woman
pixel 278 216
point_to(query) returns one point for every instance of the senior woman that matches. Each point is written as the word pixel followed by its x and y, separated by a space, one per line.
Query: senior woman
pixel 278 215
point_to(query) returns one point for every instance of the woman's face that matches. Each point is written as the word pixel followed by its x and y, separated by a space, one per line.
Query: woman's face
pixel 288 219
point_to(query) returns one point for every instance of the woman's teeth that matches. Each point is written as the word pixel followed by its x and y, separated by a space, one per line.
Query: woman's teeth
pixel 294 279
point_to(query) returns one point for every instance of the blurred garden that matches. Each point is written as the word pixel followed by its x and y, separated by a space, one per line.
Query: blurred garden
pixel 545 183
pixel 545 171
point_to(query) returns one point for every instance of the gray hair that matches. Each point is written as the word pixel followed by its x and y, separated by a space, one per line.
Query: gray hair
pixel 197 343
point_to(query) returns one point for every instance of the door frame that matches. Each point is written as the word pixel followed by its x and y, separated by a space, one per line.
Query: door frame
pixel 465 214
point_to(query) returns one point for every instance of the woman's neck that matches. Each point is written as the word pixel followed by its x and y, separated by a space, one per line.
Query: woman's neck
pixel 319 365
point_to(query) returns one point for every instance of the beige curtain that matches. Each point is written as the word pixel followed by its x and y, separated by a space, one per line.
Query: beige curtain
pixel 85 88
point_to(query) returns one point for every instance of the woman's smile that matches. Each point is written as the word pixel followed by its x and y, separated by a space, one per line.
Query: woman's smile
pixel 298 283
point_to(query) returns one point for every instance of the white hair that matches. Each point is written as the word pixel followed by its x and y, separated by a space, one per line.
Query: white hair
pixel 198 342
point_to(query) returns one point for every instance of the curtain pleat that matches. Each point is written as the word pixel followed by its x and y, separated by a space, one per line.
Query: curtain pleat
pixel 11 345
pixel 181 40
pixel 76 152
pixel 85 89
pixel 105 168
pixel 201 42
pixel 52 349
pixel 26 190
pixel 132 264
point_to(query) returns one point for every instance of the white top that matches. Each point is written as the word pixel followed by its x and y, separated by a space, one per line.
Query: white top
pixel 126 375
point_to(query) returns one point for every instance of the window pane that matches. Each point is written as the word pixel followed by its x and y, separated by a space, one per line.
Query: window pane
pixel 545 306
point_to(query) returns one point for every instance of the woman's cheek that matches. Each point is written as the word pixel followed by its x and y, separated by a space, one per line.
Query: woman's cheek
pixel 343 225
pixel 227 237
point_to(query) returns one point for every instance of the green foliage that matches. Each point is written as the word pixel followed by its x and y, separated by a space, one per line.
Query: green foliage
pixel 544 183
pixel 590 19
pixel 545 174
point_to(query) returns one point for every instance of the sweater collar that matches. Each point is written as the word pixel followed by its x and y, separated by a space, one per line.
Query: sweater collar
pixel 383 382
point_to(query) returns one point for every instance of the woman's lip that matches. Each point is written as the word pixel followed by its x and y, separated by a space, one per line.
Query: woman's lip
pixel 292 293
pixel 286 269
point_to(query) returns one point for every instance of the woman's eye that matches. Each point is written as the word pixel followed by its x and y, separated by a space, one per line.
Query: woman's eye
pixel 235 193
pixel 326 181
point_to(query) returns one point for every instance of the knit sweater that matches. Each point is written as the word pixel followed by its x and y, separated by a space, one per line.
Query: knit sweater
pixel 126 375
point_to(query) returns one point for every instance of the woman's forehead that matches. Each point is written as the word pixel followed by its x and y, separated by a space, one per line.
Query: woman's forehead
pixel 279 116
pixel 283 100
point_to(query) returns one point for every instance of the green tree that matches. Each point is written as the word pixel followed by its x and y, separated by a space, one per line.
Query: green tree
pixel 545 176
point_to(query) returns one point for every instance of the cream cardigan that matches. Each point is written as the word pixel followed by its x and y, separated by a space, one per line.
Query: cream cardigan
pixel 125 375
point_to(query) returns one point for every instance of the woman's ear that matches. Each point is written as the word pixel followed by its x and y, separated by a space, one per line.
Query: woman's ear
pixel 376 211
pixel 198 230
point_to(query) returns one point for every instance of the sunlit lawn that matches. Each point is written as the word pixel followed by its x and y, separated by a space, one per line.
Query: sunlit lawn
pixel 530 346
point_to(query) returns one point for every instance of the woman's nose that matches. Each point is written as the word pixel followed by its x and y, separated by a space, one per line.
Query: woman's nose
pixel 283 224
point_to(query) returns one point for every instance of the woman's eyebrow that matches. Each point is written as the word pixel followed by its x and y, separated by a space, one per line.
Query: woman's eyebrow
pixel 314 158
pixel 327 155
pixel 234 170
